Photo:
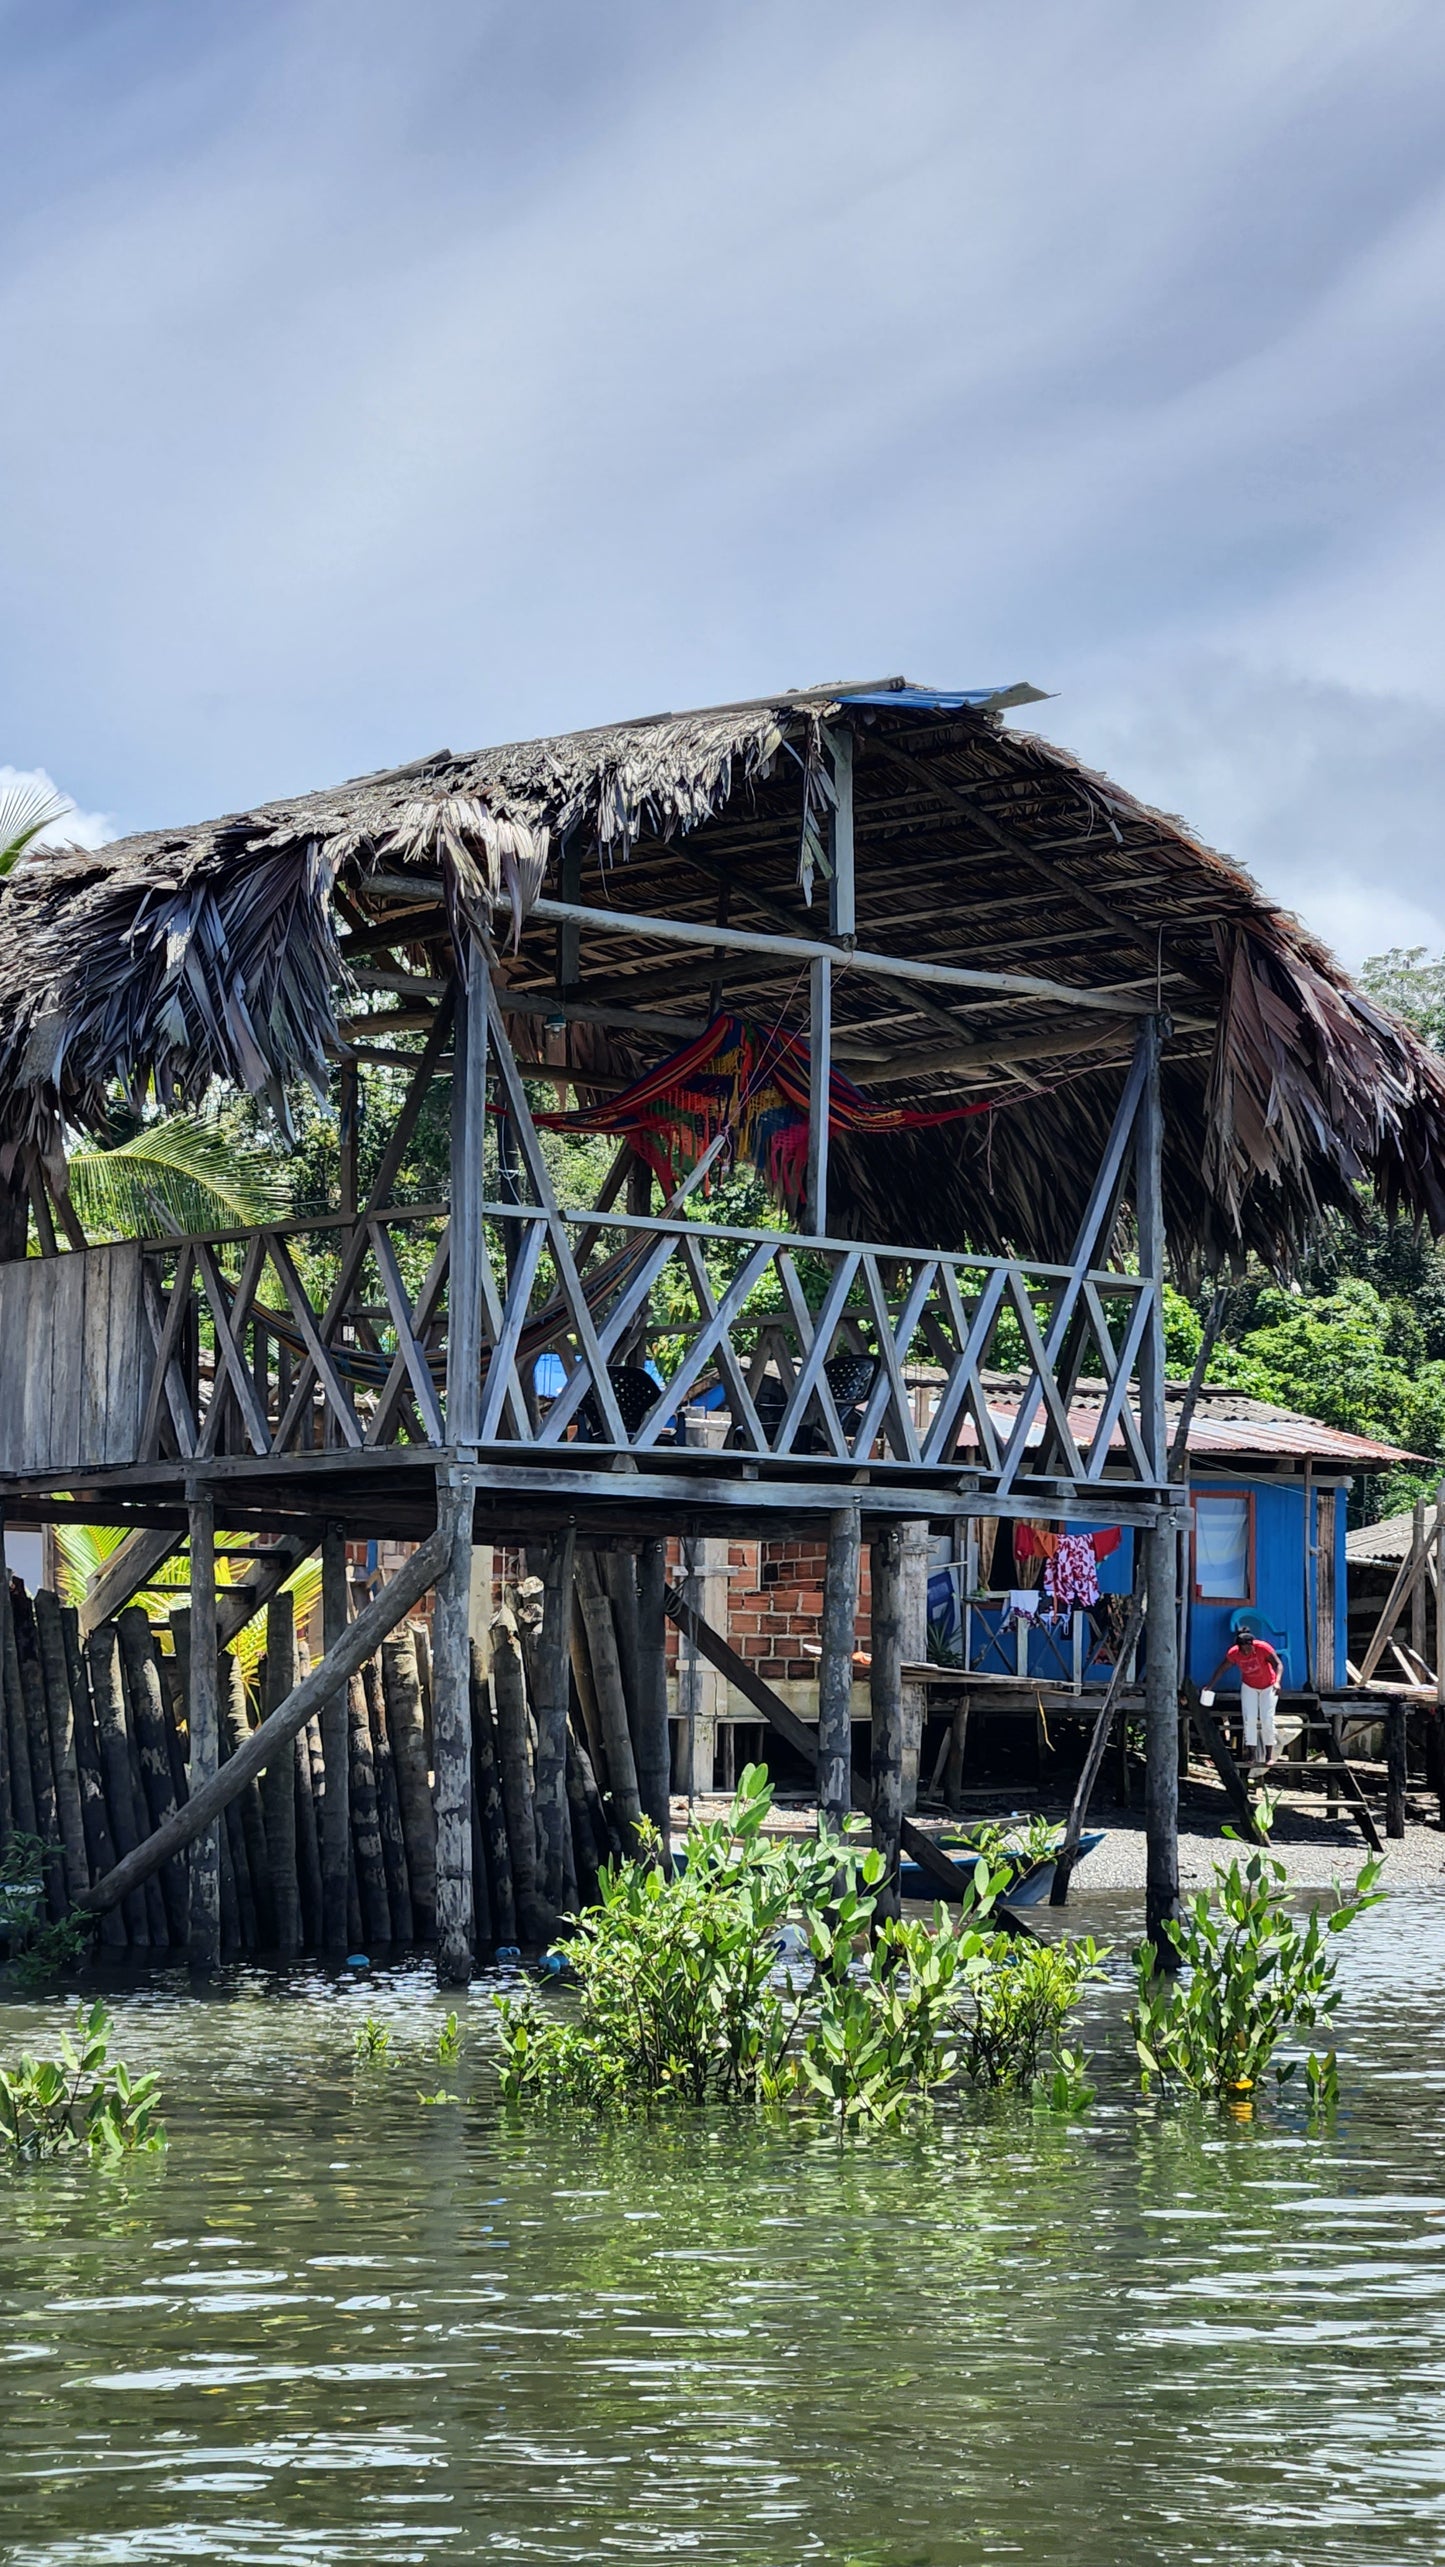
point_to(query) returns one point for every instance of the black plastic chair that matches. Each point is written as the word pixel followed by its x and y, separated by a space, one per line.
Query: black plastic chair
pixel 850 1379
pixel 636 1394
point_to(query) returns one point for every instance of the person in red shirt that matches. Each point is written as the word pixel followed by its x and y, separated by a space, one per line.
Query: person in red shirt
pixel 1260 1669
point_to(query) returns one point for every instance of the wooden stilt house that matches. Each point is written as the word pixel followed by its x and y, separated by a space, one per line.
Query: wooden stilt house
pixel 997 1036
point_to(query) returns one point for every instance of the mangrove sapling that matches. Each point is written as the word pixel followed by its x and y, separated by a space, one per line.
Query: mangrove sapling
pixel 449 2041
pixel 372 2044
pixel 681 1992
pixel 675 1978
pixel 1250 1973
pixel 1020 2004
pixel 83 2099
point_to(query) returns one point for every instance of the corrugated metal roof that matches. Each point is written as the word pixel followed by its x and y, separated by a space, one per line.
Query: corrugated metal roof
pixel 1384 1544
pixel 1227 1425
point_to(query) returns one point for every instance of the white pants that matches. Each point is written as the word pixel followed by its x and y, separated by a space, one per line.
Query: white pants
pixel 1259 1702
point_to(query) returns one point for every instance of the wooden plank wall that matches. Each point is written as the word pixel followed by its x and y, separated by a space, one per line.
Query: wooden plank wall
pixel 75 1359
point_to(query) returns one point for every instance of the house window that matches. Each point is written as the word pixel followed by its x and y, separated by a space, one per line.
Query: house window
pixel 1224 1546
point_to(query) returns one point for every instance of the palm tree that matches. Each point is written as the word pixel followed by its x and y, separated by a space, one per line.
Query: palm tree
pixel 82 1551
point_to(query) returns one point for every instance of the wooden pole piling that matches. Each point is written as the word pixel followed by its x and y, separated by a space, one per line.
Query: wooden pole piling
pixel 203 1725
pixel 452 1730
pixel 835 1672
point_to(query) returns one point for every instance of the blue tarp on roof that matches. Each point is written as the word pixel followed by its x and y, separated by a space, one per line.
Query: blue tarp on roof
pixel 933 699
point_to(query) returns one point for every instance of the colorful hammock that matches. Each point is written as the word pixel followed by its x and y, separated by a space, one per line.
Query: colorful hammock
pixel 752 1081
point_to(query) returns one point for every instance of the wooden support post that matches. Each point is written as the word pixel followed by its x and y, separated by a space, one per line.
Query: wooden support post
pixel 127 1823
pixel 842 905
pixel 168 1901
pixel 1396 1777
pixel 406 1725
pixel 370 1866
pixel 536 1921
pixel 698 1729
pixel 820 1074
pixel 335 1749
pixel 913 1605
pixel 1161 1543
pixel 452 1729
pixel 50 1639
pixel 953 1767
pixel 203 1726
pixel 835 1674
pixel 22 1797
pixel 611 1700
pixel 553 1695
pixel 1418 1635
pixel 1161 1726
pixel 652 1744
pixel 886 1698
pixel 466 1282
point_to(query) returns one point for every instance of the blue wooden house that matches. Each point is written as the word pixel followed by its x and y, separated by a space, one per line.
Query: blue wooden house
pixel 1268 1492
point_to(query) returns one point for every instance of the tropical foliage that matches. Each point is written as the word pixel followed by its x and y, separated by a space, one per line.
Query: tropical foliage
pixel 761 1973
pixel 179 1172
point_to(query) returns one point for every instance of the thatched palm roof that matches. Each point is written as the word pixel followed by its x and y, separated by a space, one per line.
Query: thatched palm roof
pixel 220 951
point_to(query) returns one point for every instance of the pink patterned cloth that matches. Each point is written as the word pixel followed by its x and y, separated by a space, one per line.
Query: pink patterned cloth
pixel 1071 1577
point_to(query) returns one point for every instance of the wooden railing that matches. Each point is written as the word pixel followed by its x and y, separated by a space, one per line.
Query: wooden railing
pixel 607 1338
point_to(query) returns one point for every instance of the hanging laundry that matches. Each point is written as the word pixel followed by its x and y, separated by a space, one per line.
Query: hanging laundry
pixel 1071 1578
pixel 1071 1563
pixel 1023 1604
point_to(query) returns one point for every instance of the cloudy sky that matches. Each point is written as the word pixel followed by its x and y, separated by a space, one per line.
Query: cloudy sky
pixel 385 378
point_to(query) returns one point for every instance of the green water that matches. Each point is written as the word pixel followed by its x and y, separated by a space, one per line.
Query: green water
pixel 337 2325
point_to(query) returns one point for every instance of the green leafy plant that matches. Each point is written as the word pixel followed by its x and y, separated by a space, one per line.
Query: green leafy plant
pixel 1020 2006
pixel 762 1974
pixel 440 2097
pixel 449 2041
pixel 1250 1972
pixel 372 2044
pixel 1016 1848
pixel 82 2099
pixel 177 1172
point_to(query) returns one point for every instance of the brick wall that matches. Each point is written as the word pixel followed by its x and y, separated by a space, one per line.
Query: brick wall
pixel 775 1603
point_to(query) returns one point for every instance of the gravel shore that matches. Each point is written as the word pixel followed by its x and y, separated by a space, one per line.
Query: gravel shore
pixel 1314 1849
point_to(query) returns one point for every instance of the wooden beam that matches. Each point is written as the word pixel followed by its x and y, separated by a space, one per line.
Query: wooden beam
pixel 672 931
pixel 129 1568
pixel 1021 853
pixel 842 898
pixel 820 1076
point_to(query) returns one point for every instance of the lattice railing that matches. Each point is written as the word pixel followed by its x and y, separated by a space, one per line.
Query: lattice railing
pixel 610 1338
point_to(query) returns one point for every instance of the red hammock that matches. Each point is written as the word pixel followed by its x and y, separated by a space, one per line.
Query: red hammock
pixel 751 1081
